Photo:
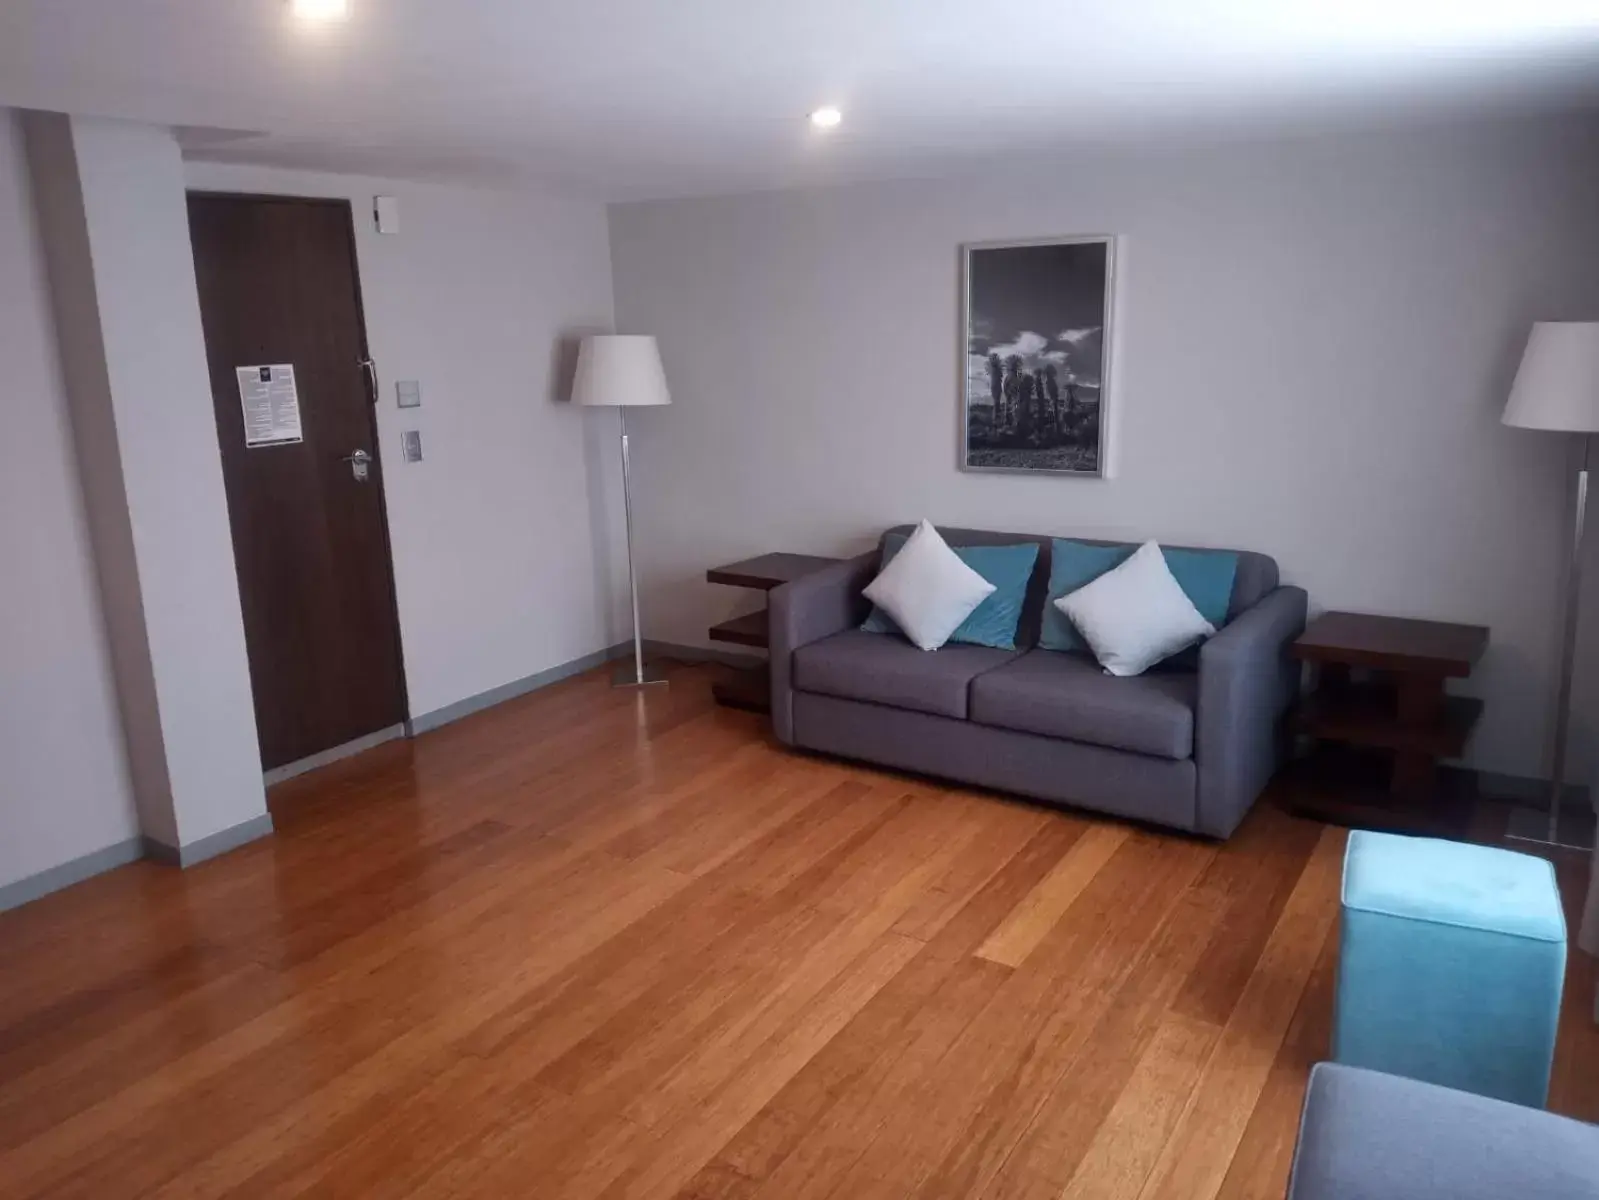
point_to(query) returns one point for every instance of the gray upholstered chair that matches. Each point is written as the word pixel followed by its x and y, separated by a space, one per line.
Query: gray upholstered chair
pixel 1369 1136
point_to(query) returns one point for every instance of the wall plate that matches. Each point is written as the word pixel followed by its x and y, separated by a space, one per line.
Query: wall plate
pixel 409 393
pixel 386 213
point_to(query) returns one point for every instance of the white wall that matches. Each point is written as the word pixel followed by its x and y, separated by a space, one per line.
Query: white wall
pixel 113 223
pixel 494 534
pixel 64 789
pixel 1316 339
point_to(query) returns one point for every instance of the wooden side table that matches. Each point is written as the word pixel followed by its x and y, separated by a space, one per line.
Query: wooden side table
pixel 1380 693
pixel 751 688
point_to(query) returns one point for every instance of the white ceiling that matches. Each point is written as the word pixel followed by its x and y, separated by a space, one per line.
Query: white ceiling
pixel 630 98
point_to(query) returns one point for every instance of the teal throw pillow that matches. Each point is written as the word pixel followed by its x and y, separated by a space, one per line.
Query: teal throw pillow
pixel 993 622
pixel 1206 577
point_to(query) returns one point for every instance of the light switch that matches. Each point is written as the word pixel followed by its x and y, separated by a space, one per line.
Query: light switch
pixel 409 392
pixel 411 439
pixel 386 213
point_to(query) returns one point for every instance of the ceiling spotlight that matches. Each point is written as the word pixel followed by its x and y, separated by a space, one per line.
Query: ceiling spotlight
pixel 320 10
pixel 826 118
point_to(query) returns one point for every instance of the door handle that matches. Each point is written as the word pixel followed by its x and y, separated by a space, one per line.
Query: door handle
pixel 360 464
pixel 370 370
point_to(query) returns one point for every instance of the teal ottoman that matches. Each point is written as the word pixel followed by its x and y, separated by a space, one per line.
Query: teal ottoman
pixel 1451 965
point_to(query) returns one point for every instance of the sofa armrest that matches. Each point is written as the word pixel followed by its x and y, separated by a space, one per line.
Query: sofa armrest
pixel 1247 680
pixel 805 611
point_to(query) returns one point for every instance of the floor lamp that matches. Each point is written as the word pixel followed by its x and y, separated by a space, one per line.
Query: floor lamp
pixel 1557 390
pixel 624 371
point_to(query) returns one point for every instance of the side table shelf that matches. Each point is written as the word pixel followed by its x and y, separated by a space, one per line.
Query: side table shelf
pixel 1382 719
pixel 750 687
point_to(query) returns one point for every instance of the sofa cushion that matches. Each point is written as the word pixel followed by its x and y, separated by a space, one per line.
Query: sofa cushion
pixel 1256 575
pixel 993 622
pixel 1065 696
pixel 1367 1134
pixel 1205 576
pixel 887 670
pixel 927 589
pixel 1135 615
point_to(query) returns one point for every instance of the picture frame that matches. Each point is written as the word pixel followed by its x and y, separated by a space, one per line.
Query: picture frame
pixel 1036 371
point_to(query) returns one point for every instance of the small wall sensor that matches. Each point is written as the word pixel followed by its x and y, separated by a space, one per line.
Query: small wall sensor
pixel 386 211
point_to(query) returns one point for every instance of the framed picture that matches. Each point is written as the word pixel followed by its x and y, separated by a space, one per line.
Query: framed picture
pixel 1037 355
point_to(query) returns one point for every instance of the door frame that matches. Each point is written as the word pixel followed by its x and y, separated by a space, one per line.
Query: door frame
pixel 375 397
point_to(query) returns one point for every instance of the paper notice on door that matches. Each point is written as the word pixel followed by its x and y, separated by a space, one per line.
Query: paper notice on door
pixel 271 405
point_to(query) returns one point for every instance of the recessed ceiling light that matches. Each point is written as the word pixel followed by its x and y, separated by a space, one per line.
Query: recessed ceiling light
pixel 826 118
pixel 320 10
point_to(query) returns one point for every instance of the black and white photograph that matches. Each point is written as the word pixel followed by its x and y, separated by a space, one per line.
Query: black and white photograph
pixel 1037 328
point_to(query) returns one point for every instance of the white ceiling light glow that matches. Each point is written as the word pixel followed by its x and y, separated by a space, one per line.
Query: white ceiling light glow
pixel 321 10
pixel 491 92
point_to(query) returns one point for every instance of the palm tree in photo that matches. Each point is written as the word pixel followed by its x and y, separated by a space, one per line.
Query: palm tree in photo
pixel 1052 389
pixel 1013 387
pixel 996 386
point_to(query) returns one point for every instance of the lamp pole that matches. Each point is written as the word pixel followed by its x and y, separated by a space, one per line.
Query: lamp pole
pixel 1548 833
pixel 638 675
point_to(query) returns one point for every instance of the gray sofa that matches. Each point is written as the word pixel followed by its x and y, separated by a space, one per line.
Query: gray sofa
pixel 1369 1136
pixel 1188 745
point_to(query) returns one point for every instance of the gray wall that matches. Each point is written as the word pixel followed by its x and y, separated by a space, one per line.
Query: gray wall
pixel 479 297
pixel 1315 342
pixel 114 227
pixel 505 539
pixel 64 787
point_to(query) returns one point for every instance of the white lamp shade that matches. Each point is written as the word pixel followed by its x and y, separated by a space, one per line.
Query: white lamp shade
pixel 616 370
pixel 1557 387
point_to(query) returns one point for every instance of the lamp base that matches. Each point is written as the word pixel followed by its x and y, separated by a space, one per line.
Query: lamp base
pixel 626 676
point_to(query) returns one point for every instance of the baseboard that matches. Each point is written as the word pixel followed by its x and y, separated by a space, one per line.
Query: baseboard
pixel 323 758
pixel 440 717
pixel 219 843
pixel 53 879
pixel 519 687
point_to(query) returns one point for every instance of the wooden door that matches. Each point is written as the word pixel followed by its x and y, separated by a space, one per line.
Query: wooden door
pixel 278 285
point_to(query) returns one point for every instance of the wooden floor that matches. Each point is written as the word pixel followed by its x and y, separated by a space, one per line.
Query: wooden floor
pixel 602 943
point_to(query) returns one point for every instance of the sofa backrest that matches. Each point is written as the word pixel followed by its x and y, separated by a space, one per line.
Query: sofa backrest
pixel 1257 573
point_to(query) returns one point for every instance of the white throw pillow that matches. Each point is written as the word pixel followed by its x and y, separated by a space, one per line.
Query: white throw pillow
pixel 1136 615
pixel 927 589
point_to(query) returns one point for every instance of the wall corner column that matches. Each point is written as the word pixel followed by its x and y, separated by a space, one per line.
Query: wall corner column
pixel 113 222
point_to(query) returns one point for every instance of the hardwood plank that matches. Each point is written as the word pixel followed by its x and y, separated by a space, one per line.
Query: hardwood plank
pixel 884 1028
pixel 647 1163
pixel 816 1166
pixel 840 1148
pixel 593 943
pixel 1038 1129
pixel 1035 916
pixel 1195 1160
pixel 1042 1018
pixel 720 1052
pixel 1271 868
pixel 1007 829
pixel 700 1134
pixel 355 1058
pixel 1130 1141
pixel 1260 1165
